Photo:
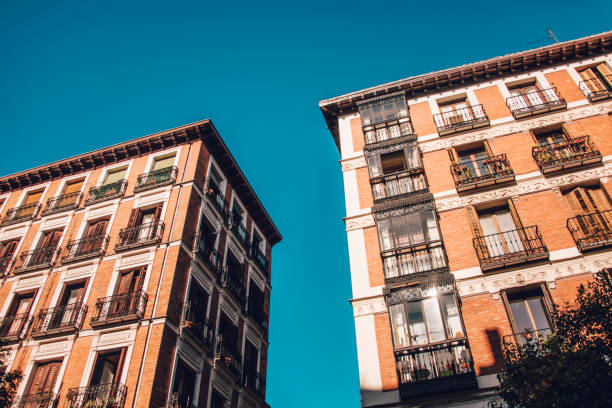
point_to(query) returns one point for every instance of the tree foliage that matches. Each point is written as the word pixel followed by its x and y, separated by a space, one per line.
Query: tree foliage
pixel 573 366
pixel 8 381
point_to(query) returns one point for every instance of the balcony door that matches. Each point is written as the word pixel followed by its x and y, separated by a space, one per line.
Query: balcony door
pixel 251 357
pixel 525 97
pixel 500 232
pixel 456 112
pixel 127 300
pixel 597 78
pixel 473 162
pixel 529 311
pixel 593 209
pixel 46 248
pixel 69 305
pixel 7 250
pixel 43 380
pixel 229 332
pixel 94 236
pixel 145 223
pixel 17 314
pixel 183 385
pixel 103 389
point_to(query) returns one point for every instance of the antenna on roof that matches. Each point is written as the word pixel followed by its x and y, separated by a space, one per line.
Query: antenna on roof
pixel 551 36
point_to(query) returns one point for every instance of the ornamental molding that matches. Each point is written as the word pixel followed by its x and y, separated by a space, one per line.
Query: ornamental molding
pixel 517 127
pixel 30 282
pixel 354 163
pixel 524 187
pixel 51 348
pixel 359 222
pixel 114 337
pixel 191 355
pixel 369 306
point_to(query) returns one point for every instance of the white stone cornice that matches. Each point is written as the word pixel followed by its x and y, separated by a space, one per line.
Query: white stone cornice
pixel 369 306
pixel 524 187
pixel 353 163
pixel 509 128
pixel 362 221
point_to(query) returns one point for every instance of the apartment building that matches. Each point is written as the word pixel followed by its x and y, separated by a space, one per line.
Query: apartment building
pixel 137 275
pixel 476 197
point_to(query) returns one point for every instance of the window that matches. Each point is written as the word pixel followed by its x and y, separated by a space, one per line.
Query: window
pixel 551 137
pixel 47 247
pixel 217 400
pixel 93 237
pixel 382 110
pixel 235 270
pixel 113 176
pixel 161 163
pixel 528 96
pixel 406 230
pixel 73 187
pixel 585 200
pixel 7 250
pixel 108 367
pixel 198 304
pixel 251 356
pixel 456 111
pixel 130 281
pixel 183 385
pixel 591 225
pixel 392 162
pixel 229 331
pixel 474 161
pixel 32 197
pixel 17 315
pixel 215 177
pixel 597 80
pixel 144 223
pixel 499 226
pixel 528 310
pixel 43 379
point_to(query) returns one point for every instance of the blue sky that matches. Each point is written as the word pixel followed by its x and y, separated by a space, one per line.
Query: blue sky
pixel 76 76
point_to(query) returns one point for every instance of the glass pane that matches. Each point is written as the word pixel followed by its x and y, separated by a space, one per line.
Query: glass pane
pixel 400 231
pixel 413 157
pixel 374 165
pixel 431 226
pixel 399 325
pixel 418 335
pixel 538 311
pixel 377 114
pixel 416 229
pixel 434 319
pixel 366 115
pixel 391 269
pixel 450 311
pixel 521 317
pixel 384 234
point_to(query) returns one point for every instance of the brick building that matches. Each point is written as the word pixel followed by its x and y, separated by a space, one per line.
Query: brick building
pixel 476 197
pixel 137 275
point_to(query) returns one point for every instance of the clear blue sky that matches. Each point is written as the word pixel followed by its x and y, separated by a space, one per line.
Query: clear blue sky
pixel 76 77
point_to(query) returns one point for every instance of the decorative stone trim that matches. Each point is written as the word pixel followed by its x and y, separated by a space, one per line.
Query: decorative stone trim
pixel 354 163
pixel 362 221
pixel 369 306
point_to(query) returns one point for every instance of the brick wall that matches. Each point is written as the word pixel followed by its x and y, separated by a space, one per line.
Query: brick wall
pixel 386 358
pixel 493 102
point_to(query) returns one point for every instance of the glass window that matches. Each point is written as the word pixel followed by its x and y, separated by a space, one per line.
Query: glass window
pixel 450 311
pixel 418 332
pixel 162 163
pixel 434 319
pixel 393 162
pixel 399 326
pixel 529 311
pixel 431 226
pixel 416 229
pixel 384 234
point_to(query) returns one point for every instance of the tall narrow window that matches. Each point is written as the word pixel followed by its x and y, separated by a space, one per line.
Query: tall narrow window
pixel 251 356
pixel 44 378
pixel 47 247
pixel 93 237
pixel 529 311
pixel 183 385
pixel 160 163
pixel 7 251
pixel 501 232
pixel 108 367
pixel 229 331
pixel 17 316
pixel 591 225
pixel 597 79
pixel 33 197
pixel 69 306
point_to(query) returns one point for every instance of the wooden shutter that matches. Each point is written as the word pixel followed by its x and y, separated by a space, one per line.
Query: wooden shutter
pixel 571 197
pixel 114 176
pixel 452 155
pixel 487 148
pixel 598 199
pixel 125 282
pixel 33 197
pixel 135 217
pixel 164 163
pixel 51 239
pixel 157 213
pixel 120 363
pixel 514 213
pixel 8 249
pixel 604 70
pixel 73 187
pixel 45 377
pixel 480 245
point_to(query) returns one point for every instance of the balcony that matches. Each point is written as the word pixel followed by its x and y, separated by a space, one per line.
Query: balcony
pixel 40 258
pixel 88 247
pixel 97 396
pixel 62 203
pixel 19 214
pixel 398 185
pixel 534 337
pixel 40 400
pixel 106 192
pixel 535 103
pixel 208 255
pixel 591 231
pixel 415 261
pixel 13 328
pixel 197 326
pixel 597 89
pixel 436 368
pixel 258 256
pixel 213 192
pixel 119 308
pixel 459 120
pixel 239 231
pixel 233 286
pixel 227 357
pixel 140 235
pixel 389 132
pixel 5 265
pixel 565 155
pixel 154 179
pixel 510 248
pixel 59 320
pixel 482 173
pixel 175 401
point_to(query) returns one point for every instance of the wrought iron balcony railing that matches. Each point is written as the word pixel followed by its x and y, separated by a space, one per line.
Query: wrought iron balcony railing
pixel 84 248
pixel 61 203
pixel 458 120
pixel 36 259
pixel 5 265
pixel 106 192
pixel 213 192
pixel 228 357
pixel 155 179
pixel 414 261
pixel 482 173
pixel 386 131
pixel 197 325
pixel 14 327
pixel 435 368
pixel 258 256
pixel 175 400
pixel 140 235
pixel 535 337
pixel 40 400
pixel 510 247
pixel 597 89
pixel 97 396
pixel 119 308
pixel 567 154
pixel 233 285
pixel 398 184
pixel 61 319
pixel 593 230
pixel 239 230
pixel 19 214
pixel 535 102
pixel 208 254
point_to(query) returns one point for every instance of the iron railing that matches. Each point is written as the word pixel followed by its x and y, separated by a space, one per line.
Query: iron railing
pixel 87 247
pixel 258 256
pixel 63 203
pixel 432 362
pixel 19 214
pixel 155 179
pixel 597 89
pixel 59 319
pixel 228 357
pixel 510 247
pixel 458 120
pixel 196 323
pixel 535 102
pixel 175 400
pixel 535 337
pixel 36 259
pixel 591 230
pixel 208 254
pixel 97 396
pixel 414 260
pixel 140 235
pixel 389 130
pixel 14 327
pixel 398 184
pixel 40 400
pixel 118 308
pixel 234 286
pixel 5 265
pixel 239 230
pixel 482 172
pixel 566 154
pixel 213 192
pixel 106 192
